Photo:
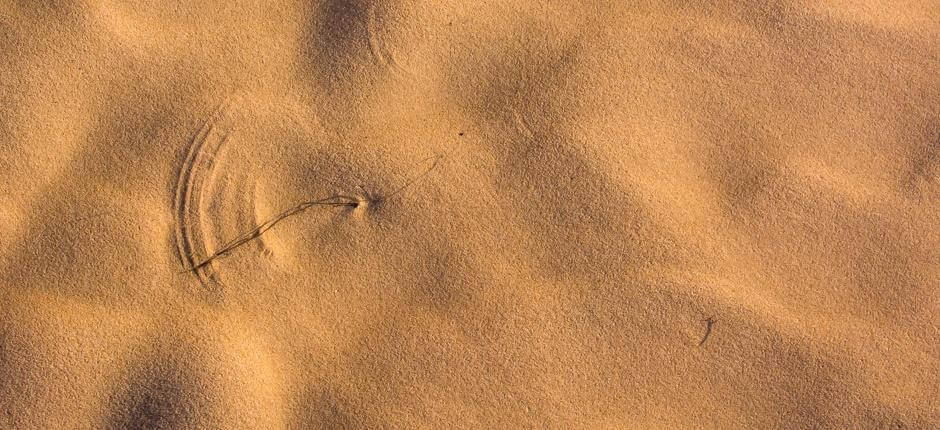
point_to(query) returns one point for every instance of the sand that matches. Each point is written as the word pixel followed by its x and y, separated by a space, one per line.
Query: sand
pixel 486 214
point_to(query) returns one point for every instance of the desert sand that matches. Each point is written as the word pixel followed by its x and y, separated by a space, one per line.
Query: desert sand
pixel 480 214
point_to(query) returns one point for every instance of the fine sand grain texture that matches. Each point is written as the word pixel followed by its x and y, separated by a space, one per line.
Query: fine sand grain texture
pixel 470 214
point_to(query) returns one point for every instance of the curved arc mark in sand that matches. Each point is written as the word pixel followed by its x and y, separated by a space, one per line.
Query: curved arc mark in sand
pixel 197 174
pixel 200 158
pixel 378 49
pixel 529 141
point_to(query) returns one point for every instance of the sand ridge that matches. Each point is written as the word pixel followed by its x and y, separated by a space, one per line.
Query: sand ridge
pixel 380 213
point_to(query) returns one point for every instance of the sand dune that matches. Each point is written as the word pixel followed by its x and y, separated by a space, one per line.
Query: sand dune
pixel 496 214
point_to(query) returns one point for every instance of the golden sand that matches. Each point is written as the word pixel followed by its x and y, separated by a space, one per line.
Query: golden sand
pixel 481 214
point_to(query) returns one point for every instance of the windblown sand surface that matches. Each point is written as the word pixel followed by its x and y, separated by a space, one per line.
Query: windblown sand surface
pixel 480 214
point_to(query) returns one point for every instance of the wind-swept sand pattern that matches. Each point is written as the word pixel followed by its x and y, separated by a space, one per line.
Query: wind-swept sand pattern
pixel 500 214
